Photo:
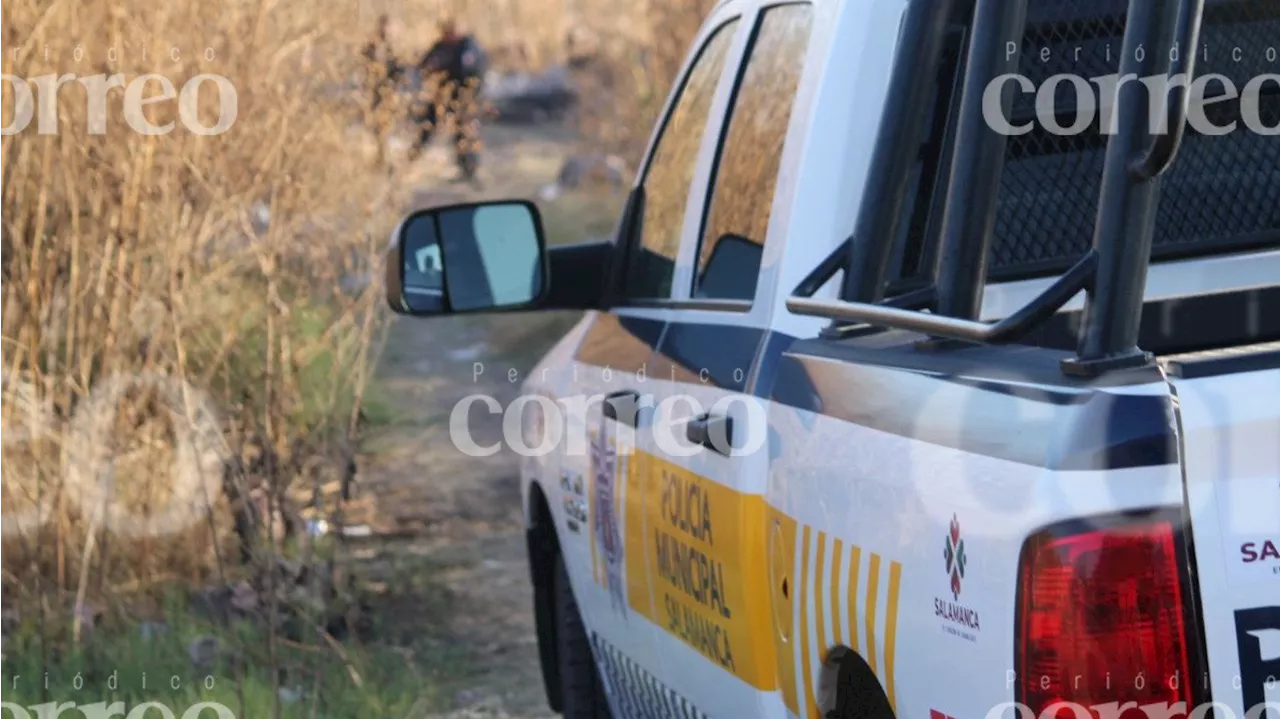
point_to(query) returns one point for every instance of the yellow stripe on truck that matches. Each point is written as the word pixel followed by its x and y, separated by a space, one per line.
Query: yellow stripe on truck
pixel 814 647
pixel 705 555
pixel 891 632
pixel 806 647
pixel 818 576
pixel 855 569
pixel 837 564
pixel 639 593
pixel 873 589
pixel 716 568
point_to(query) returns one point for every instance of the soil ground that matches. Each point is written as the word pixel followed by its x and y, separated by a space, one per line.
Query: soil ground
pixel 447 527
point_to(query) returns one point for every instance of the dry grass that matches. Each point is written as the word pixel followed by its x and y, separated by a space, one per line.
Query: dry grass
pixel 190 322
pixel 129 258
pixel 629 51
pixel 183 321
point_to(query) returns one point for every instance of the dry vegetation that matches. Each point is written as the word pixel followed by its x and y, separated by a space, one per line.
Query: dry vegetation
pixel 189 325
pixel 625 52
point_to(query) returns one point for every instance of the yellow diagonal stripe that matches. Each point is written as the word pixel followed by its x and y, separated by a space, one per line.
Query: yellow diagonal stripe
pixel 873 591
pixel 891 632
pixel 806 675
pixel 836 566
pixel 820 601
pixel 855 568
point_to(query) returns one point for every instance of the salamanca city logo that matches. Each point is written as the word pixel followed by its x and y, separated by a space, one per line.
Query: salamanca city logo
pixel 958 620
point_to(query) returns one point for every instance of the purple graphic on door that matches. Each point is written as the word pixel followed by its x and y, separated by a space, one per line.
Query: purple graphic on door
pixel 608 536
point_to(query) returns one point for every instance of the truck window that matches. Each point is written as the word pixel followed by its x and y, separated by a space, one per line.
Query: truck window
pixel 670 173
pixel 743 181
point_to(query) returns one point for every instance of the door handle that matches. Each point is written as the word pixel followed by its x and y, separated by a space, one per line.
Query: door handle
pixel 713 431
pixel 622 406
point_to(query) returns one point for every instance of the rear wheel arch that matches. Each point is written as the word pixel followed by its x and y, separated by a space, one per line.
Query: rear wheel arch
pixel 848 688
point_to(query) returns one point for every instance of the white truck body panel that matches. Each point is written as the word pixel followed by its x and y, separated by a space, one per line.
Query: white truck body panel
pixel 869 510
pixel 1230 426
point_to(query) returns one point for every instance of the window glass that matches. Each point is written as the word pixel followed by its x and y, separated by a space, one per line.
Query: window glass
pixel 670 174
pixel 742 191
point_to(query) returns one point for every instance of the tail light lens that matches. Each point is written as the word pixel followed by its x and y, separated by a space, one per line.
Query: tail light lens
pixel 1102 621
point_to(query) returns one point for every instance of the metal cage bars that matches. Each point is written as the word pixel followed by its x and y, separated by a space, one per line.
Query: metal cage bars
pixel 1113 272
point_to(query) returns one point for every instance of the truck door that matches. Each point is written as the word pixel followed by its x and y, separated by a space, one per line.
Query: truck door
pixel 614 363
pixel 703 506
pixel 616 348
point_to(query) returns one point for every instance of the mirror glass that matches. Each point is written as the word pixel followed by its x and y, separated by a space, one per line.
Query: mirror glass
pixel 423 266
pixel 480 257
pixel 493 256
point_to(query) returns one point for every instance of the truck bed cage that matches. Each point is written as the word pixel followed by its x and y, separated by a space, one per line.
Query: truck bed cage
pixel 1112 271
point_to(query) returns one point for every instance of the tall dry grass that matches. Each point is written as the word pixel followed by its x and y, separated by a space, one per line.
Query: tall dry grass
pixel 225 264
pixel 189 322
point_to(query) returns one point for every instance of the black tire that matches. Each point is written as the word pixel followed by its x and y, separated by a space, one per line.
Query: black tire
pixel 581 688
pixel 858 691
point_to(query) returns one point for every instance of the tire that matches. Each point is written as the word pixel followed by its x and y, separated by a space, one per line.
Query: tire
pixel 542 559
pixel 581 688
pixel 858 692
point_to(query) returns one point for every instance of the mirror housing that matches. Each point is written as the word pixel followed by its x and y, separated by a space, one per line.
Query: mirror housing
pixel 490 257
pixel 461 259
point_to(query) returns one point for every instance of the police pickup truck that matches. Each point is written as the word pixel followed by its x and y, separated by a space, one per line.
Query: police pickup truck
pixel 933 371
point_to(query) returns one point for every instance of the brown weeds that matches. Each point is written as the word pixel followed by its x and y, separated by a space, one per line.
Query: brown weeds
pixel 186 317
pixel 190 322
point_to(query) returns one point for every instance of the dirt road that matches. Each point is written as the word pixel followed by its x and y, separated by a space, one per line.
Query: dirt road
pixel 455 517
pixel 449 521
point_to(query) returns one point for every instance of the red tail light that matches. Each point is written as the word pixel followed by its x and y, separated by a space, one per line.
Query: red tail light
pixel 1102 621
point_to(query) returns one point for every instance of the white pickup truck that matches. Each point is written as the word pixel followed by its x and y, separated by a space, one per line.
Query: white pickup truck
pixel 880 410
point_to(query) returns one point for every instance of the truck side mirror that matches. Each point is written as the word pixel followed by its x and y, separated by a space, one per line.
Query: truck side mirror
pixel 480 257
